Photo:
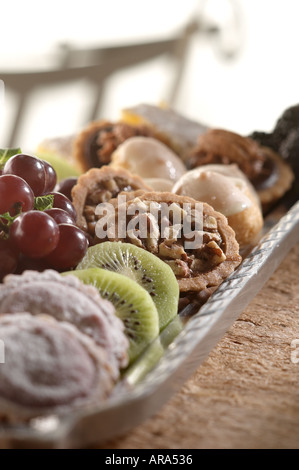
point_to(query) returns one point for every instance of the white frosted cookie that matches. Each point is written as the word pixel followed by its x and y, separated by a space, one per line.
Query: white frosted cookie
pixel 148 158
pixel 232 195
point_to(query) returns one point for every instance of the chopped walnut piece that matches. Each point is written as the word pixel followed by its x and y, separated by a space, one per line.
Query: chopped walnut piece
pixel 180 268
pixel 215 251
pixel 211 236
pixel 176 213
pixel 171 250
pixel 210 223
pixel 172 232
pixel 133 238
pixel 153 234
pixel 137 206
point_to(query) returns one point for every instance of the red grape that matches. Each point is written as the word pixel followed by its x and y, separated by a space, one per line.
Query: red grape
pixel 59 215
pixel 34 264
pixel 62 202
pixel 70 250
pixel 51 177
pixel 9 258
pixel 35 234
pixel 30 168
pixel 15 194
pixel 66 185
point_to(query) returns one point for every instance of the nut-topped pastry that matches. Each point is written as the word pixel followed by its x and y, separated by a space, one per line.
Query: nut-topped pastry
pixel 265 169
pixel 99 185
pixel 50 368
pixel 94 145
pixel 191 237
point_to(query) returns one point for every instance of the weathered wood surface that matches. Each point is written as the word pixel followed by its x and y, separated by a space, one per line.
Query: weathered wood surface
pixel 246 394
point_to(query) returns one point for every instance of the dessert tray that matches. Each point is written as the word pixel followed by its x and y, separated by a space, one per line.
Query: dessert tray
pixel 137 401
pixel 91 375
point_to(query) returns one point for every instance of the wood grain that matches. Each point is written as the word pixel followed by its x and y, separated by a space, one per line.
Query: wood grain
pixel 246 394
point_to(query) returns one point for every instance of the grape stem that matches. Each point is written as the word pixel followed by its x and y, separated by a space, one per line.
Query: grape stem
pixel 6 154
pixel 6 220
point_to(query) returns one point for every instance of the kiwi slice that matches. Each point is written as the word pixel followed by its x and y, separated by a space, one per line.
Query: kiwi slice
pixel 155 276
pixel 133 305
pixel 150 357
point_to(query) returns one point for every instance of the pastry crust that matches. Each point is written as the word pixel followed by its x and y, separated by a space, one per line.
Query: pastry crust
pixel 94 145
pixel 265 169
pixel 205 265
pixel 285 177
pixel 50 368
pixel 99 185
pixel 247 224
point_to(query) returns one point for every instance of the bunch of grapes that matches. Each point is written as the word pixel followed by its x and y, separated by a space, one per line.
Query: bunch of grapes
pixel 37 223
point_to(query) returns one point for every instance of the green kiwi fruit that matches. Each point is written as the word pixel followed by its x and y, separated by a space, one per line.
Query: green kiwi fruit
pixel 150 357
pixel 155 276
pixel 133 305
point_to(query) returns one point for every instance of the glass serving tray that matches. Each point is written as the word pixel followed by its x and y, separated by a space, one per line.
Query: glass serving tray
pixel 174 357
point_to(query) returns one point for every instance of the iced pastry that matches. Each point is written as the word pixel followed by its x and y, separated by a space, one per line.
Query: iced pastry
pixel 99 185
pixel 159 184
pixel 148 158
pixel 233 196
pixel 50 367
pixel 178 132
pixel 94 145
pixel 191 237
pixel 68 299
pixel 269 174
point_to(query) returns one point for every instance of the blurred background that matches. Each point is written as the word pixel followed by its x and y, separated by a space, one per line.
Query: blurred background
pixel 225 63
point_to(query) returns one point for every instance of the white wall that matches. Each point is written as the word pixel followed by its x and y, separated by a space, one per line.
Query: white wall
pixel 247 93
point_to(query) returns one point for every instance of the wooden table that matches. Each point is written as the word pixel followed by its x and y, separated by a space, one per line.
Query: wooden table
pixel 246 394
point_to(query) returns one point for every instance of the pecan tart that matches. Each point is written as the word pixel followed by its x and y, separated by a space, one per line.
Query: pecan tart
pixel 264 168
pixel 99 185
pixel 94 145
pixel 191 237
pixel 50 367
